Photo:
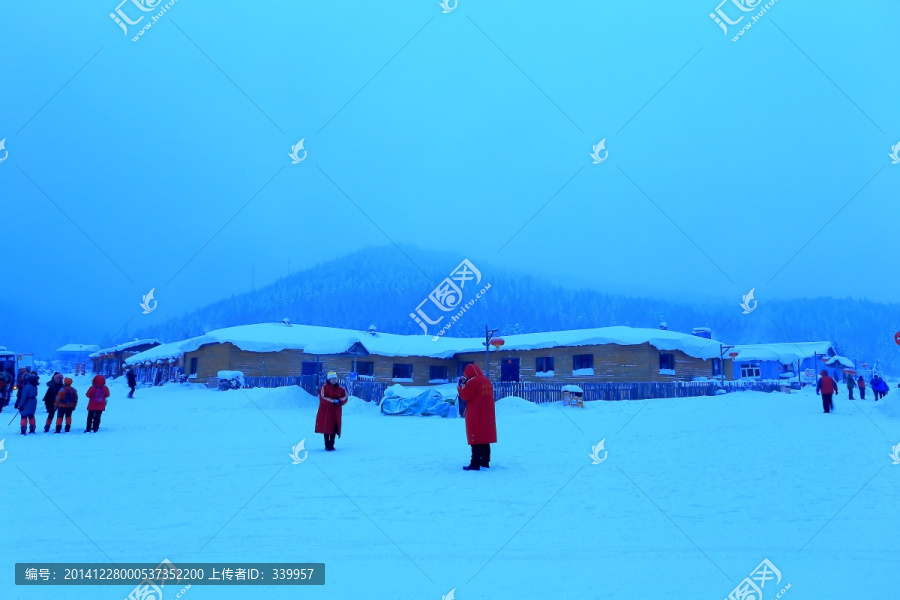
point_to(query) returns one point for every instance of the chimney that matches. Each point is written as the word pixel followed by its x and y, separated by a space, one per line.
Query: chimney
pixel 371 330
pixel 286 321
pixel 704 332
pixel 663 325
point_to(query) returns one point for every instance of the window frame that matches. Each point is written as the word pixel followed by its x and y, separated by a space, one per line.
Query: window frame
pixel 396 377
pixel 576 357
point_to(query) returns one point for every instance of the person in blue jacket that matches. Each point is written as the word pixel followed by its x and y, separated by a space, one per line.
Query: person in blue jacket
pixel 27 402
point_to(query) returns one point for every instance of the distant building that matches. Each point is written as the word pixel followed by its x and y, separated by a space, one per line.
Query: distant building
pixel 784 360
pixel 607 354
pixel 74 354
pixel 110 361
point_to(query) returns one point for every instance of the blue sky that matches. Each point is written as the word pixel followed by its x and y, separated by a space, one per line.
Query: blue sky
pixel 164 162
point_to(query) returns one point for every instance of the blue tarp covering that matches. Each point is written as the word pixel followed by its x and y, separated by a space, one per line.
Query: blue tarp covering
pixel 429 402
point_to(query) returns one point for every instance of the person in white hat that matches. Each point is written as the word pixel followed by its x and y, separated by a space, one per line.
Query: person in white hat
pixel 332 398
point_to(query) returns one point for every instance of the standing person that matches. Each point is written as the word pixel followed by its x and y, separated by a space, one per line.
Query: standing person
pixel 132 381
pixel 861 384
pixel 97 395
pixel 20 381
pixel 27 402
pixel 481 423
pixel 850 386
pixel 53 386
pixel 5 389
pixel 828 387
pixel 332 398
pixel 66 401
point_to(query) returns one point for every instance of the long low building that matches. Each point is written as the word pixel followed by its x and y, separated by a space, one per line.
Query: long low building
pixel 786 360
pixel 110 361
pixel 607 354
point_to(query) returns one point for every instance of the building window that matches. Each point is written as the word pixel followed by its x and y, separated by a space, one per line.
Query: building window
pixel 461 367
pixel 402 372
pixel 365 368
pixel 716 367
pixel 582 364
pixel 543 364
pixel 582 361
pixel 749 370
pixel 667 361
pixel 194 362
pixel 437 374
pixel 309 367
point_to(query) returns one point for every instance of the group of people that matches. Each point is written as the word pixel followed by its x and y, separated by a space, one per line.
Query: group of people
pixel 828 387
pixel 473 387
pixel 60 400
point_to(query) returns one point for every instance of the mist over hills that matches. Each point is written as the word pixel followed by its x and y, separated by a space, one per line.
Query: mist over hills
pixel 382 285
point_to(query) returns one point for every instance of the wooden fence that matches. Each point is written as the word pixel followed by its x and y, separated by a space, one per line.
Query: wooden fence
pixel 542 393
pixel 310 383
pixel 539 392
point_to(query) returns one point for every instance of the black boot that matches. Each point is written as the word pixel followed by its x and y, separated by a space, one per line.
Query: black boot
pixel 23 430
pixel 475 463
pixel 31 429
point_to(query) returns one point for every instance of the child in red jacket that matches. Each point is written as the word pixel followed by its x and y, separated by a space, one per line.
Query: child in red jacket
pixel 97 395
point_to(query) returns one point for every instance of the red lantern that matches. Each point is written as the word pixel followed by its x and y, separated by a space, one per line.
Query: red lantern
pixel 497 342
pixel 733 354
pixel 897 338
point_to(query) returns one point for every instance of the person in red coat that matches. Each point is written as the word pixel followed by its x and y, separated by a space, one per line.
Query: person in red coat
pixel 481 423
pixel 828 387
pixel 97 395
pixel 332 398
pixel 861 384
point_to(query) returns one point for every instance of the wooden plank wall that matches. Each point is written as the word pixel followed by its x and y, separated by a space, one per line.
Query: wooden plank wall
pixel 612 363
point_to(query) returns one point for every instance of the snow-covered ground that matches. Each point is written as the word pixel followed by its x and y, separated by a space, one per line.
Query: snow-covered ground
pixel 693 494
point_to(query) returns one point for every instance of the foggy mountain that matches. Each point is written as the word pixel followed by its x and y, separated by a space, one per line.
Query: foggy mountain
pixel 382 285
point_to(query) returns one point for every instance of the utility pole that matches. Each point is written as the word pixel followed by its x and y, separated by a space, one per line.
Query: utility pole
pixel 488 336
pixel 722 349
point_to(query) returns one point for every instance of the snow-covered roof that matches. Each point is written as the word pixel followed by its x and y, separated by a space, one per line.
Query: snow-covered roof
pixel 78 348
pixel 124 346
pixel 842 360
pixel 163 351
pixel 784 352
pixel 692 345
pixel 311 339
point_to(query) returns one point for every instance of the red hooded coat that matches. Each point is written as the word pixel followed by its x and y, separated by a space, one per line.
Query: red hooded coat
pixel 477 391
pixel 97 393
pixel 329 413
